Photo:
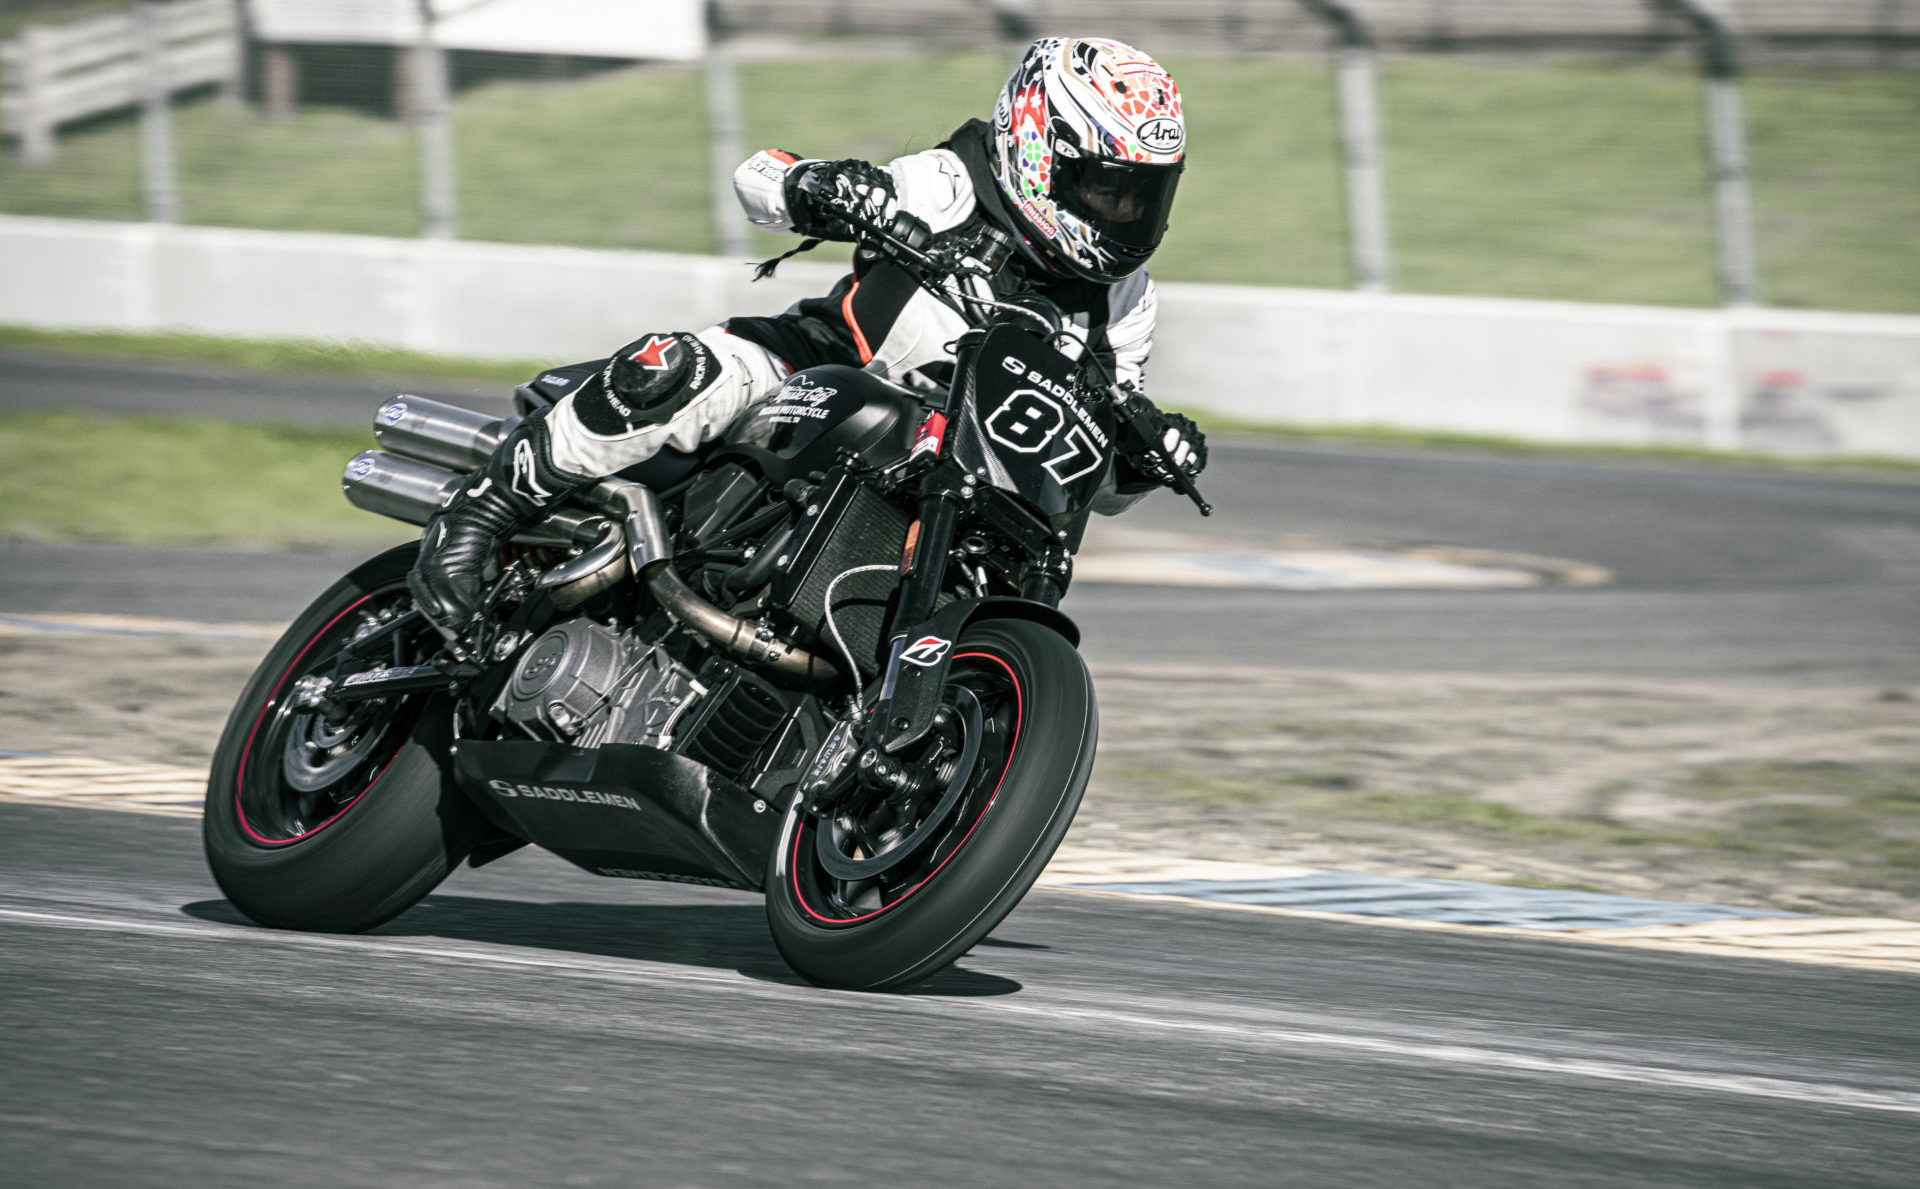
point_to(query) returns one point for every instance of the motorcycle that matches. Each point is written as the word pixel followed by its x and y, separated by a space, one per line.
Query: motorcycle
pixel 821 658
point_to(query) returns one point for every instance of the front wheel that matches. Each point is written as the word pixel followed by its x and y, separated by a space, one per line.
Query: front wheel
pixel 337 819
pixel 1012 753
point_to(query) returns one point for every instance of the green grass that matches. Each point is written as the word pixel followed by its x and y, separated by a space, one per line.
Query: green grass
pixel 151 481
pixel 1864 818
pixel 273 355
pixel 1582 181
pixel 1575 179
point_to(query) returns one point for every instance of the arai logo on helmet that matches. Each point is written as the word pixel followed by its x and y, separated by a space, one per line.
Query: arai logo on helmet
pixel 1162 134
pixel 393 411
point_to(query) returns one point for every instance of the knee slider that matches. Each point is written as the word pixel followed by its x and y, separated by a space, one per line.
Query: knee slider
pixel 646 383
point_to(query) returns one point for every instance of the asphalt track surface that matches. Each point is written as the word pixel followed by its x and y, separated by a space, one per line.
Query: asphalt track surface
pixel 529 1024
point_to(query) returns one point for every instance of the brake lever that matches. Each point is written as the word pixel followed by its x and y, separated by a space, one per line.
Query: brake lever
pixel 1128 405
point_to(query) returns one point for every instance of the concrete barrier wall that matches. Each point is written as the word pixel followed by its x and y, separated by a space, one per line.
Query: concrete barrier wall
pixel 1770 380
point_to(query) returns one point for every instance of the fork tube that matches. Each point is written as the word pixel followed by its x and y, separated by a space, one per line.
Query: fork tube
pixel 939 509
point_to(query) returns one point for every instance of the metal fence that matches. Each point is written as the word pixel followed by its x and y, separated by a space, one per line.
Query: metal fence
pixel 1658 151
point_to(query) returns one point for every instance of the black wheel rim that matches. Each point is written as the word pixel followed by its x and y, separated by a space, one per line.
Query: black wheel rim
pixel 302 770
pixel 937 831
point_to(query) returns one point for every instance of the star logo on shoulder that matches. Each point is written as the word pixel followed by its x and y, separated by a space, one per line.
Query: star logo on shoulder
pixel 653 355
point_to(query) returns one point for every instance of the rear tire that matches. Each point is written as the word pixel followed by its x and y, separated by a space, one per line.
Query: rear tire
pixel 300 836
pixel 1028 788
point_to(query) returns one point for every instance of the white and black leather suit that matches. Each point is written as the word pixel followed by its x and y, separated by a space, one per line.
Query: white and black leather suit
pixel 683 388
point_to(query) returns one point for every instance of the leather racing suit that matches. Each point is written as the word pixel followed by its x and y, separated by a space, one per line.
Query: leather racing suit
pixel 680 388
pixel 875 318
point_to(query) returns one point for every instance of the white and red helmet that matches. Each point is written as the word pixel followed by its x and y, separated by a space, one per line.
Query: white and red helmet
pixel 1089 143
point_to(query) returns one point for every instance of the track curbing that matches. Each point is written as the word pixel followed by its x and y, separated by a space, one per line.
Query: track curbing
pixel 1397 902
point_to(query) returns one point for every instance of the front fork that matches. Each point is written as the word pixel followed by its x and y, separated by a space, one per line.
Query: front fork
pixel 942 490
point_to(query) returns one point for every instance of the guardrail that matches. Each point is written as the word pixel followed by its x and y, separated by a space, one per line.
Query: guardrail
pixel 56 74
pixel 1786 381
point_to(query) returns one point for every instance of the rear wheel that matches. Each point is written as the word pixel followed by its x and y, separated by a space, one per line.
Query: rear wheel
pixel 894 885
pixel 337 820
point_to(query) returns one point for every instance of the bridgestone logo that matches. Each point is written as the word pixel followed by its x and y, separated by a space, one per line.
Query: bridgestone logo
pixel 547 792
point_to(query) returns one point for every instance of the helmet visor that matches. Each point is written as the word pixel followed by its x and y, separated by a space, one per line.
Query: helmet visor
pixel 1126 202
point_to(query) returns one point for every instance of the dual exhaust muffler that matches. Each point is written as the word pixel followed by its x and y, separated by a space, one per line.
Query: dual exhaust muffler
pixel 427 450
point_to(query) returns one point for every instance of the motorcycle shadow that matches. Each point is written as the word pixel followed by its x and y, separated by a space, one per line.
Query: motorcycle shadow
pixel 716 936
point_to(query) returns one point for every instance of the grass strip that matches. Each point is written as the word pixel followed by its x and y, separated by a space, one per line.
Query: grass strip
pixel 270 355
pixel 68 477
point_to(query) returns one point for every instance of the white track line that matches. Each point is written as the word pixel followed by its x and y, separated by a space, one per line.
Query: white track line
pixel 1825 941
pixel 1386 1048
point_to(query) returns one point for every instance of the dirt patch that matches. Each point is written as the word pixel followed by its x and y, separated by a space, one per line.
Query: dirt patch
pixel 1807 800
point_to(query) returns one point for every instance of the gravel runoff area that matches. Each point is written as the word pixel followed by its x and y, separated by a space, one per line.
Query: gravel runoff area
pixel 1805 799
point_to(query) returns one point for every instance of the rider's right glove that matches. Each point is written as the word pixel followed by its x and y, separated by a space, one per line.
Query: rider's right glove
pixel 1182 441
pixel 858 186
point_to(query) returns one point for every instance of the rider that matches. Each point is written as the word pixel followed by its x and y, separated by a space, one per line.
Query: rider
pixel 1079 166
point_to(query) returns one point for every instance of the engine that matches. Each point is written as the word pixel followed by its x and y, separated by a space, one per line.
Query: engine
pixel 585 684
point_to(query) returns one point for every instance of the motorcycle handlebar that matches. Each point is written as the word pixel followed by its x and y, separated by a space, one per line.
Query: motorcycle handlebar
pixel 897 241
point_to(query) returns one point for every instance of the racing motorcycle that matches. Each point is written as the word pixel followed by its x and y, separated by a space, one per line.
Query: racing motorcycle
pixel 820 658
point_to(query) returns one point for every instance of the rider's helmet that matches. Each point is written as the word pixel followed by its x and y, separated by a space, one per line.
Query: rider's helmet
pixel 1088 148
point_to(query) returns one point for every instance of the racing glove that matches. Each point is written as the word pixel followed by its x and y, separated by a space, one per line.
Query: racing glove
pixel 1142 470
pixel 864 188
pixel 514 487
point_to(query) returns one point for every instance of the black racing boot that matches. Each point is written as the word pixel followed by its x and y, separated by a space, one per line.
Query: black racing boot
pixel 517 484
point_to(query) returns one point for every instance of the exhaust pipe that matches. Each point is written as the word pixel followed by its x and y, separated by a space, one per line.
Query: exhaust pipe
pixel 411 491
pixel 438 433
pixel 650 554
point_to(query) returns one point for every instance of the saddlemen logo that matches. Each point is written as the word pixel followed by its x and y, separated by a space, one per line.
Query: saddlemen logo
pixel 1162 135
pixel 926 651
pixel 547 792
pixel 393 411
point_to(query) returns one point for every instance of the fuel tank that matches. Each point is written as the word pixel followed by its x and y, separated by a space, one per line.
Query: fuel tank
pixel 819 412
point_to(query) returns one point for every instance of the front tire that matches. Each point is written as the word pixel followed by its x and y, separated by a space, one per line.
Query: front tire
pixel 1041 727
pixel 336 825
